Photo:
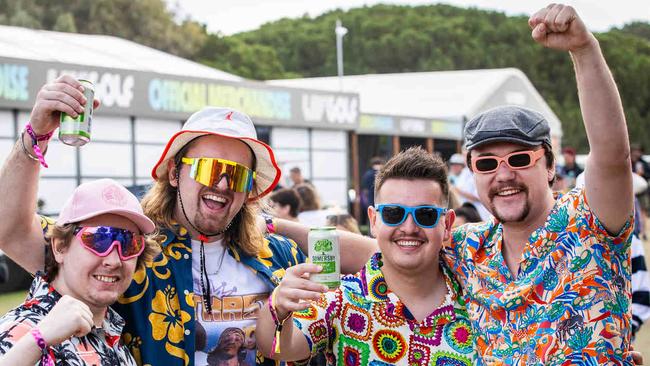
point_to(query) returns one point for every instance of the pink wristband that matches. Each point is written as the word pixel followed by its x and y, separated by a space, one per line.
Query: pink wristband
pixel 35 140
pixel 46 358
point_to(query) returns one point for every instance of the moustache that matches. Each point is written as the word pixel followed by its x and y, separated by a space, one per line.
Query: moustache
pixel 495 190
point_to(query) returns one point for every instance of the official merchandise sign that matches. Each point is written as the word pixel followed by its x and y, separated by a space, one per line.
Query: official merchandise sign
pixel 153 95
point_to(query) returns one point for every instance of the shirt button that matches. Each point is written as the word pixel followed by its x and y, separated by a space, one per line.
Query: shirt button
pixel 186 292
pixel 186 256
pixel 187 332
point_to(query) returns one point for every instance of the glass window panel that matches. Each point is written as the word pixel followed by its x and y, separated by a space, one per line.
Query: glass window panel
pixel 329 139
pixel 287 159
pixel 106 160
pixel 147 157
pixel 289 138
pixel 5 148
pixel 111 128
pixel 152 130
pixel 329 164
pixel 332 192
pixel 6 123
pixel 54 193
pixel 61 159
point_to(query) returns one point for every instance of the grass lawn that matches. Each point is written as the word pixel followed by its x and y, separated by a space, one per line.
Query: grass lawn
pixel 10 300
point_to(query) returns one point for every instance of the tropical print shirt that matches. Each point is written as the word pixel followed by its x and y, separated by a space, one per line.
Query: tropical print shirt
pixel 159 306
pixel 364 323
pixel 570 300
pixel 100 347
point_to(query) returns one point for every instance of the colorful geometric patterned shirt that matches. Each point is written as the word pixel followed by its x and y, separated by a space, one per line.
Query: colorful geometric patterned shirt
pixel 159 307
pixel 364 323
pixel 568 304
pixel 100 347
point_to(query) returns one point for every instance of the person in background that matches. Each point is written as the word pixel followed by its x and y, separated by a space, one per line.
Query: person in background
pixel 95 247
pixel 368 185
pixel 456 164
pixel 295 174
pixel 285 203
pixel 570 169
pixel 464 189
pixel 640 286
pixel 466 213
pixel 343 222
pixel 311 213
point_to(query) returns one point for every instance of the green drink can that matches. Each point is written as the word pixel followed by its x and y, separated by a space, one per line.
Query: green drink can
pixel 324 251
pixel 76 131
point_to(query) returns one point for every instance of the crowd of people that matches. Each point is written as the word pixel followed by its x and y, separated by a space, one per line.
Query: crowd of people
pixel 209 267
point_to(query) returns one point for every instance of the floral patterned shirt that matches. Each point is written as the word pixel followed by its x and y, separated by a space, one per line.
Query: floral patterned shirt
pixel 364 323
pixel 159 307
pixel 568 304
pixel 100 347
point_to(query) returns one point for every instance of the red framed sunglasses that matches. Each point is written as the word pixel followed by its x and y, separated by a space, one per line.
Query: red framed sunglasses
pixel 101 239
pixel 515 160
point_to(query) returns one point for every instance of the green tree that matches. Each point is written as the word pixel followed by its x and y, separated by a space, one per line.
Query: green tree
pixel 65 23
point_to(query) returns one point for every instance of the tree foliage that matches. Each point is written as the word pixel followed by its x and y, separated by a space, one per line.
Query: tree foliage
pixel 148 22
pixel 381 39
pixel 391 38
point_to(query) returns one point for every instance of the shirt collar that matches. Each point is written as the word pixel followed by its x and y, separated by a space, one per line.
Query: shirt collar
pixel 375 289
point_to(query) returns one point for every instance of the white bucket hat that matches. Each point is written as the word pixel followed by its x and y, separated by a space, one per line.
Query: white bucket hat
pixel 229 123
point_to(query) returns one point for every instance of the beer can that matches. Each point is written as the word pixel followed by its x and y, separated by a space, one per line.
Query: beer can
pixel 76 131
pixel 324 251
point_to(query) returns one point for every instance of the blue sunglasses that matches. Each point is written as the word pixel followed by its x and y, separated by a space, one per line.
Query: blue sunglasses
pixel 425 216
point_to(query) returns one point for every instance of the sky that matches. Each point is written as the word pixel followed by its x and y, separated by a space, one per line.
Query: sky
pixel 233 16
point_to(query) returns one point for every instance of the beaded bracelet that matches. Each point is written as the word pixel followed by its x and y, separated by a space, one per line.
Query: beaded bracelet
pixel 46 358
pixel 275 346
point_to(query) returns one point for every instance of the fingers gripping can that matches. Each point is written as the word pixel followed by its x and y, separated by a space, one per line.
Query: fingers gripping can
pixel 324 251
pixel 76 131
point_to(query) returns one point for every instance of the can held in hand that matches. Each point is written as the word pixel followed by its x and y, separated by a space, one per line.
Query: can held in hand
pixel 324 251
pixel 76 131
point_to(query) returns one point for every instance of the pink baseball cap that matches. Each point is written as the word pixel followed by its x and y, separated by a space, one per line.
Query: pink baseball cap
pixel 104 196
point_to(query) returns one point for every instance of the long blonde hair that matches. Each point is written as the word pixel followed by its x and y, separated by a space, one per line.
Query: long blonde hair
pixel 159 205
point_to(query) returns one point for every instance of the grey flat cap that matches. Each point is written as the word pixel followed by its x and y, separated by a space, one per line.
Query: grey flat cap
pixel 507 124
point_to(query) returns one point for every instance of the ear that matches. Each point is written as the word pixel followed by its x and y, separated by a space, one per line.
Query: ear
pixel 172 173
pixel 372 220
pixel 58 250
pixel 550 172
pixel 450 217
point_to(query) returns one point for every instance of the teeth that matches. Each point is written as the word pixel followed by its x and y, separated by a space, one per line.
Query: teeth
pixel 408 243
pixel 508 192
pixel 215 198
pixel 106 279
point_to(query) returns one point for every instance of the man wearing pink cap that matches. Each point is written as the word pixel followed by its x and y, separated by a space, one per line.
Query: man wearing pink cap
pixel 215 269
pixel 96 245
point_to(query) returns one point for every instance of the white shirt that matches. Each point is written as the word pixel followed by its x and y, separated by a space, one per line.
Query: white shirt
pixel 237 295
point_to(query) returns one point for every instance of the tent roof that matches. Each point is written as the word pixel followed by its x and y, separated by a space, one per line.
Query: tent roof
pixel 439 94
pixel 99 51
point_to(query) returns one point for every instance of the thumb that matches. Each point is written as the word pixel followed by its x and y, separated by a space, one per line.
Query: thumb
pixel 539 33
